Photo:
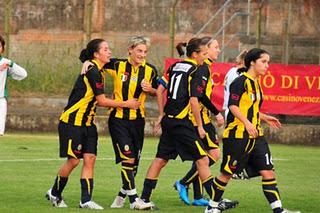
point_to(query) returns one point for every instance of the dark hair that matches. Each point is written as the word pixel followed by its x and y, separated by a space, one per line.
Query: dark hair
pixel 92 47
pixel 252 55
pixel 192 46
pixel 3 42
pixel 206 40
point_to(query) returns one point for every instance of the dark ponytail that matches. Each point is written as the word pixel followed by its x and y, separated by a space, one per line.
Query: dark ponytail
pixel 180 48
pixel 192 46
pixel 92 47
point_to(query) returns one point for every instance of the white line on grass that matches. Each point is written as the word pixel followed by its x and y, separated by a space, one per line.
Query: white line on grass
pixel 106 159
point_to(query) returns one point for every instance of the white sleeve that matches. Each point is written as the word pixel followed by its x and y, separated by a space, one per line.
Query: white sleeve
pixel 231 75
pixel 17 72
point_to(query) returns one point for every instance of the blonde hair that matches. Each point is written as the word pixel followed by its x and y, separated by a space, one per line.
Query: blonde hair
pixel 136 40
pixel 241 56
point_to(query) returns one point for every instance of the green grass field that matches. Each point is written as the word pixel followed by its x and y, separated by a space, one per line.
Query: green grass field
pixel 29 163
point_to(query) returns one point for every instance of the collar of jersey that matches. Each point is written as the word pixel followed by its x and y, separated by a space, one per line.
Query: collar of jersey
pixel 248 76
pixel 96 63
pixel 191 61
pixel 142 64
pixel 208 61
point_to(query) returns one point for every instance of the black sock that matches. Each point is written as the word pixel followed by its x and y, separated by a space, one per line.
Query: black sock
pixel 148 186
pixel 197 188
pixel 58 186
pixel 128 183
pixel 86 189
pixel 197 184
pixel 272 194
pixel 215 188
pixel 190 176
pixel 122 193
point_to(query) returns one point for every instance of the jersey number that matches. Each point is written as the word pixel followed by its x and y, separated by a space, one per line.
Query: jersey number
pixel 175 85
pixel 268 159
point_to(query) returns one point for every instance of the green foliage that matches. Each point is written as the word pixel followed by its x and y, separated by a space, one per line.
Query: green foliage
pixel 29 164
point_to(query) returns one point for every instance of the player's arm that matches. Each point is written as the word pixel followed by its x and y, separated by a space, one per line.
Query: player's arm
pixel 236 90
pixel 15 71
pixel 196 91
pixel 97 85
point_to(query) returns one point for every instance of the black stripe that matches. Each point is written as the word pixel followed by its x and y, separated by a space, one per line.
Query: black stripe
pixel 138 90
pixel 125 90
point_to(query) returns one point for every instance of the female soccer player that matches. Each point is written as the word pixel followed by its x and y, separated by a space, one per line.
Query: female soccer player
pixel 7 68
pixel 243 136
pixel 77 131
pixel 179 136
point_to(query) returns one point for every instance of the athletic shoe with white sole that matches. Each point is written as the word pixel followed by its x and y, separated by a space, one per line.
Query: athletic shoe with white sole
pixel 227 204
pixel 56 202
pixel 90 205
pixel 210 209
pixel 118 202
pixel 139 204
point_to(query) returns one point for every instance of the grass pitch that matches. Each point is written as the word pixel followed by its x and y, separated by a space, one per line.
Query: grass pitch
pixel 29 163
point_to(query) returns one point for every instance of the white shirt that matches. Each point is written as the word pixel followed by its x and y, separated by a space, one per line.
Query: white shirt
pixel 230 76
pixel 14 70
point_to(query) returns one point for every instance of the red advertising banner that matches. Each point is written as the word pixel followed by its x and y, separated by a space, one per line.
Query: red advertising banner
pixel 288 89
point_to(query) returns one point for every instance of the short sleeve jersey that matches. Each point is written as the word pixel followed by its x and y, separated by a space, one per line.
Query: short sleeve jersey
pixel 246 93
pixel 183 83
pixel 81 107
pixel 127 85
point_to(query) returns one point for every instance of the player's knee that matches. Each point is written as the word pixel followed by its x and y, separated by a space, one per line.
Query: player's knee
pixel 202 162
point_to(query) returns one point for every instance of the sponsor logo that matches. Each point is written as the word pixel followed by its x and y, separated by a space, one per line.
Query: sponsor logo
pixel 126 148
pixel 234 163
pixel 133 78
pixel 99 85
pixel 235 97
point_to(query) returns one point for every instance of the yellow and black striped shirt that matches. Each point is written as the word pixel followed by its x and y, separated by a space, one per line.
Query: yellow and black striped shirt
pixel 81 107
pixel 246 93
pixel 205 72
pixel 182 82
pixel 127 85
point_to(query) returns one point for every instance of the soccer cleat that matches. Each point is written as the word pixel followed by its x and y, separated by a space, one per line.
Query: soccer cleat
pixel 90 205
pixel 210 209
pixel 200 202
pixel 183 194
pixel 118 202
pixel 288 211
pixel 56 202
pixel 227 204
pixel 139 204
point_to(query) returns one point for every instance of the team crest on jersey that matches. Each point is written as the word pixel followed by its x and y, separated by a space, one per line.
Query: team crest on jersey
pixel 79 147
pixel 124 77
pixel 126 148
pixel 234 163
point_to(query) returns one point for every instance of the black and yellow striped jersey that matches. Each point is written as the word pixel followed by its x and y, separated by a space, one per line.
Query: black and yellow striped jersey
pixel 183 82
pixel 246 93
pixel 206 75
pixel 127 85
pixel 81 107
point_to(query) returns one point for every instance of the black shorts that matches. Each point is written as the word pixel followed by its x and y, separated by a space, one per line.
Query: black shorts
pixel 211 139
pixel 127 138
pixel 77 140
pixel 179 138
pixel 237 153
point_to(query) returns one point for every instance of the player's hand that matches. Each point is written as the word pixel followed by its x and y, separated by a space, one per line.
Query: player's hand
pixel 201 132
pixel 157 125
pixel 146 87
pixel 85 67
pixel 132 104
pixel 219 120
pixel 273 122
pixel 251 129
pixel 4 66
